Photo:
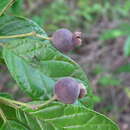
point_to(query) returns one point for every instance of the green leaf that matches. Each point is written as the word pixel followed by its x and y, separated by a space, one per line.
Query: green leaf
pixel 3 3
pixel 17 7
pixel 54 116
pixel 32 81
pixel 11 25
pixel 34 63
pixel 13 125
pixel 16 119
pixel 127 47
pixel 1 59
pixel 72 117
pixel 6 95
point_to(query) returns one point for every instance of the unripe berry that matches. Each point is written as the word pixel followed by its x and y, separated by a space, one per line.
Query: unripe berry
pixel 67 90
pixel 64 40
pixel 83 90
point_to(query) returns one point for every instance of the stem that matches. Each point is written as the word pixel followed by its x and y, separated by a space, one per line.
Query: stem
pixel 18 35
pixel 7 102
pixel 47 102
pixel 40 36
pixel 21 103
pixel 3 115
pixel 14 102
pixel 25 35
pixel 7 6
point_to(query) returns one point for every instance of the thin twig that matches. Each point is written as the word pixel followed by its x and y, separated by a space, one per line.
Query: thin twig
pixel 14 102
pixel 40 36
pixel 46 103
pixel 3 115
pixel 7 6
pixel 18 35
pixel 25 35
pixel 7 102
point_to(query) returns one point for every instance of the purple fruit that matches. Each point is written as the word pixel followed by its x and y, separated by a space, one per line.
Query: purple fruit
pixel 67 90
pixel 83 90
pixel 64 40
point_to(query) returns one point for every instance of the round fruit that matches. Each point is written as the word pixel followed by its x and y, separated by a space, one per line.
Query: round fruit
pixel 83 90
pixel 64 40
pixel 67 90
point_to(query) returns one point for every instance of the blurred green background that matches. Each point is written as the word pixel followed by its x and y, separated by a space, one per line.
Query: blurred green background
pixel 105 50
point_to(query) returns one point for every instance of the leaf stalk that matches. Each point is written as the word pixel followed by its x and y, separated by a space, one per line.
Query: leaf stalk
pixel 25 35
pixel 11 2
